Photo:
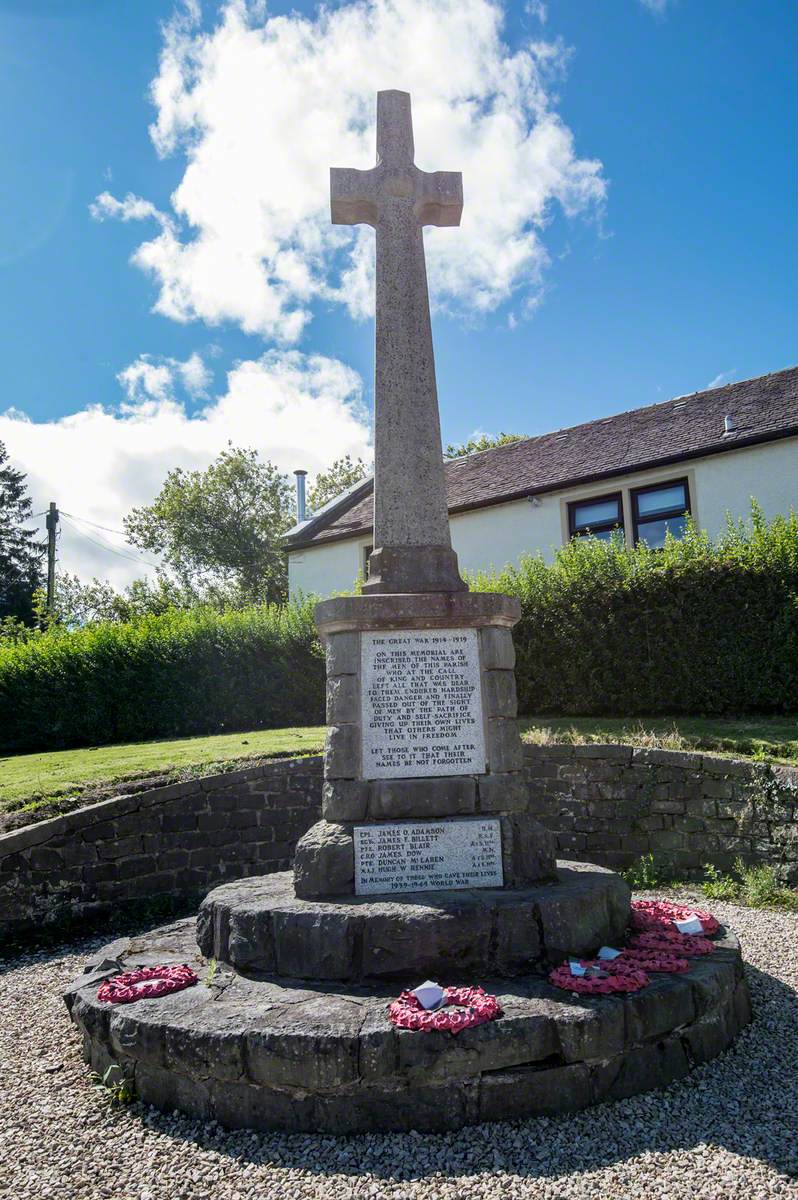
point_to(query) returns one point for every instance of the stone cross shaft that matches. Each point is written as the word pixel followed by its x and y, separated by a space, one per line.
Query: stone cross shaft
pixel 413 549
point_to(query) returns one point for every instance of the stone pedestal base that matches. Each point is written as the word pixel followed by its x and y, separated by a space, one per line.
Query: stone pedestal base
pixel 266 1054
pixel 413 569
pixel 258 925
pixel 324 864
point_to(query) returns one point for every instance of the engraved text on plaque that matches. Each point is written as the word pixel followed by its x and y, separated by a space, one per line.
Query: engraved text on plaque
pixel 421 703
pixel 427 855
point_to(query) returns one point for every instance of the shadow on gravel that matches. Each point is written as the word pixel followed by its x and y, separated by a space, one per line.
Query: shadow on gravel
pixel 745 1101
pixel 82 935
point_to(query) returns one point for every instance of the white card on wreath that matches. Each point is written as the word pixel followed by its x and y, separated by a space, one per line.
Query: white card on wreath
pixel 690 924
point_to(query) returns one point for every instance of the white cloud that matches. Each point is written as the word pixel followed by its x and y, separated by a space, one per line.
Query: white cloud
pixel 657 7
pixel 297 410
pixel 261 106
pixel 720 379
pixel 132 208
pixel 150 378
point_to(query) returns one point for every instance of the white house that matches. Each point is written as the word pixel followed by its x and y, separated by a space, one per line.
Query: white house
pixel 639 471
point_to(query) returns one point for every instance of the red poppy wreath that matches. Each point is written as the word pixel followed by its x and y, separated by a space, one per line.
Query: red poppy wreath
pixel 661 914
pixel 616 976
pixel 146 983
pixel 461 1008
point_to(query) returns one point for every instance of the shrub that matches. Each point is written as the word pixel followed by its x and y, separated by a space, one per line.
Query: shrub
pixel 703 627
pixel 647 873
pixel 717 886
pixel 756 886
pixel 698 627
pixel 180 673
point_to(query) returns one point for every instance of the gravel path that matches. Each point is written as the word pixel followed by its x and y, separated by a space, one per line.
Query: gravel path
pixel 729 1131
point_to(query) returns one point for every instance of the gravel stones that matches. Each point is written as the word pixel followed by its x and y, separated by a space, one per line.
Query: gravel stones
pixel 260 925
pixel 728 1129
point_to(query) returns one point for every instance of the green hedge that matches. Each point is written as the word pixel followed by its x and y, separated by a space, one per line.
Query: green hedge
pixel 699 627
pixel 178 674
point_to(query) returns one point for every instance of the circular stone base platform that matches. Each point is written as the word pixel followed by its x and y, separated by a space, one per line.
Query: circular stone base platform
pixel 259 925
pixel 270 1054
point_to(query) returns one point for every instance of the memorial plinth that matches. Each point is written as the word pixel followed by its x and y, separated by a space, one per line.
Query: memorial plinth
pixel 421 711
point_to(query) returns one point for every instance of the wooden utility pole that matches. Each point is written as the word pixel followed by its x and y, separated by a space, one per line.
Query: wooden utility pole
pixel 52 526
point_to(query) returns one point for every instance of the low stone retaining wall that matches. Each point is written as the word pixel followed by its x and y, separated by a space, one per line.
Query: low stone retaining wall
pixel 174 840
pixel 607 805
pixel 611 804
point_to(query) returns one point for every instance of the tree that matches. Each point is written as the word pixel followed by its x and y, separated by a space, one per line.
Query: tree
pixel 78 603
pixel 343 474
pixel 20 551
pixel 485 441
pixel 222 528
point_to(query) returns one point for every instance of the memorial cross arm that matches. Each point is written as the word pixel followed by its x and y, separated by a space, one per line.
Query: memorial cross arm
pixel 357 197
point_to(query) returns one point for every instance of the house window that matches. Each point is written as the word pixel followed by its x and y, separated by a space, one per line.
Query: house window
pixel 600 517
pixel 366 556
pixel 660 509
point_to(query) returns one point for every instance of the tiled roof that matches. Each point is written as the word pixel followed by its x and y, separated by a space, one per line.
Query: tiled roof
pixel 761 409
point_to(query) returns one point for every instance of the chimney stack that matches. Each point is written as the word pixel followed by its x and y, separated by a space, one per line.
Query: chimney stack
pixel 301 513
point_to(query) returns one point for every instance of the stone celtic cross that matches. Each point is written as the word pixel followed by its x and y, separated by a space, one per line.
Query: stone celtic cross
pixel 413 549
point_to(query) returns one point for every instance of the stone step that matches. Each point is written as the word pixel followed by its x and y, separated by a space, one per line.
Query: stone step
pixel 281 1055
pixel 259 924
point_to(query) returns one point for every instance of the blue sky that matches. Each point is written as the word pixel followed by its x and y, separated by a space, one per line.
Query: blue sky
pixel 633 236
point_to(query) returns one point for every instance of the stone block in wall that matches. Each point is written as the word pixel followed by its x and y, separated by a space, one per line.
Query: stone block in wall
pixel 686 860
pixel 504 793
pixel 395 799
pixel 718 789
pixel 607 752
pixel 725 767
pixel 501 699
pixel 342 752
pixel 650 823
pixel 503 746
pixel 571 843
pixel 666 839
pixel 497 649
pixel 343 653
pixel 325 862
pixel 222 838
pixel 135 867
pixel 345 800
pixel 343 699
pixel 603 841
pixel 119 848
pixel 668 806
pixel 213 820
pixel 43 858
pixel 690 824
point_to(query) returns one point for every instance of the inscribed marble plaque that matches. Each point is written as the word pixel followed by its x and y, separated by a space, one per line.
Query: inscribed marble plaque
pixel 421 703
pixel 427 856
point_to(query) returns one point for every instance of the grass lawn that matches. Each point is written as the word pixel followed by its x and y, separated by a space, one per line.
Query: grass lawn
pixel 769 737
pixel 37 781
pixel 35 777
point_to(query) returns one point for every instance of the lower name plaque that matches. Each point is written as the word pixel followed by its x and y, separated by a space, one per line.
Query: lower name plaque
pixel 427 856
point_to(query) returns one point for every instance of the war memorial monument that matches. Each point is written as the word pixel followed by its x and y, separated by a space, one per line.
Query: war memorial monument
pixel 428 860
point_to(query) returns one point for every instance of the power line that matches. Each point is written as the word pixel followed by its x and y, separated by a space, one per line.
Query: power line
pixel 109 549
pixel 86 521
